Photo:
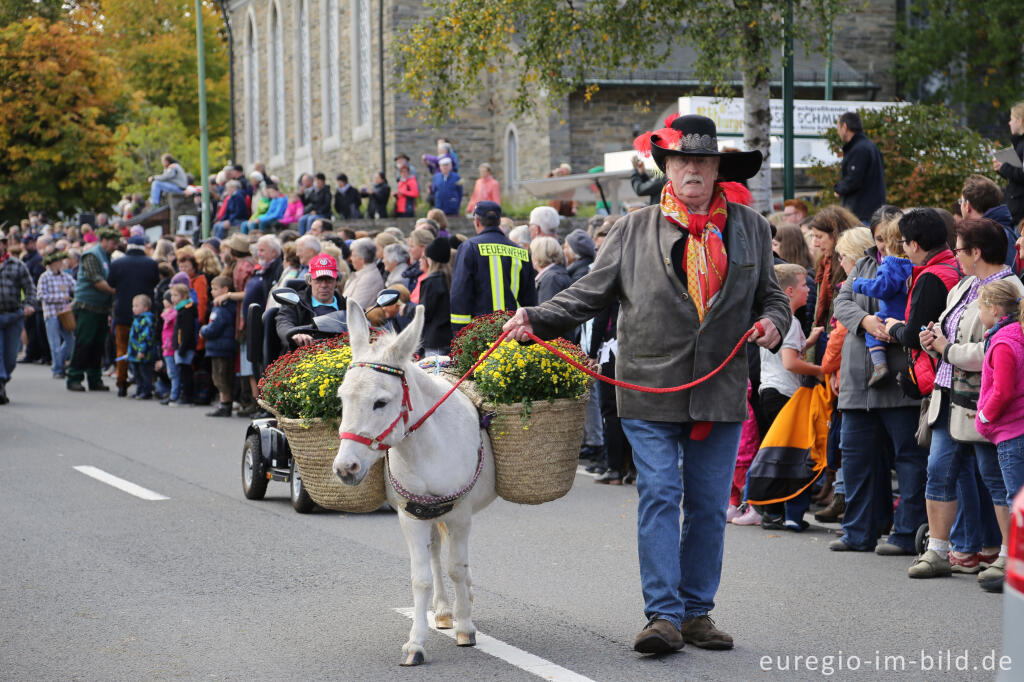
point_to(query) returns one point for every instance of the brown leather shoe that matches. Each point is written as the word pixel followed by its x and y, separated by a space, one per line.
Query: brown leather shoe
pixel 659 637
pixel 833 513
pixel 701 632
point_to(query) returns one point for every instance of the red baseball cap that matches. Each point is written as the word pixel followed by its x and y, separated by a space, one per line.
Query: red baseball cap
pixel 323 265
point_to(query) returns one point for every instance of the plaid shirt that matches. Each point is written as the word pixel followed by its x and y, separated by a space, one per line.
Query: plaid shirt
pixel 944 373
pixel 15 282
pixel 55 292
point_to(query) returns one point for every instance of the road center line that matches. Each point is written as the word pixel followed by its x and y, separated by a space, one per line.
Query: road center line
pixel 120 483
pixel 523 660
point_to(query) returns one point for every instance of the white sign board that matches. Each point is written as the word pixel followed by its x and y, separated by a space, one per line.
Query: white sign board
pixel 810 117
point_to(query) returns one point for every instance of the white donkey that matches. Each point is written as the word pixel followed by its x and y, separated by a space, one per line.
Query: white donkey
pixel 436 476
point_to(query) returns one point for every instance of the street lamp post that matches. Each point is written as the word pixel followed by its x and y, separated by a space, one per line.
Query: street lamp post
pixel 204 161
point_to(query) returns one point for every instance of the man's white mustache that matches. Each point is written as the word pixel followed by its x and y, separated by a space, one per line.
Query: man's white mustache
pixel 693 177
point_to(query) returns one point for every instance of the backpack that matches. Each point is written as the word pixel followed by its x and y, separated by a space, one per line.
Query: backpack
pixel 918 379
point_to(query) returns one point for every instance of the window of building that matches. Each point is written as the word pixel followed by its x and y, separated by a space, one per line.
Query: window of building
pixel 302 77
pixel 511 159
pixel 252 93
pixel 330 74
pixel 362 94
pixel 275 70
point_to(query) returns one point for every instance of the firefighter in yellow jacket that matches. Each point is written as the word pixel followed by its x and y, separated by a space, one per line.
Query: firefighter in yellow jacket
pixel 490 272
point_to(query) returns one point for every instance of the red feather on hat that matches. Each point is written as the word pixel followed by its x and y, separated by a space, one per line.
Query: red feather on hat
pixel 667 137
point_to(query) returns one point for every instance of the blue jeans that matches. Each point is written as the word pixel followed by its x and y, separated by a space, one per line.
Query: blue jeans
pixel 866 476
pixel 975 526
pixel 220 228
pixel 172 374
pixel 143 372
pixel 62 344
pixel 162 187
pixel 11 325
pixel 948 457
pixel 307 220
pixel 680 571
pixel 1011 462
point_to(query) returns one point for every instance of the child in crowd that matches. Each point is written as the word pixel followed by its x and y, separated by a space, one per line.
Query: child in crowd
pixel 889 286
pixel 1000 416
pixel 184 340
pixel 780 378
pixel 220 345
pixel 169 315
pixel 142 346
pixel 293 211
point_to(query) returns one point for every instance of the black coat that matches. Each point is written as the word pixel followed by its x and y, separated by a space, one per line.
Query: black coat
pixel 132 274
pixel 1015 182
pixel 346 203
pixel 579 268
pixel 291 316
pixel 379 194
pixel 319 201
pixel 862 183
pixel 437 308
pixel 552 282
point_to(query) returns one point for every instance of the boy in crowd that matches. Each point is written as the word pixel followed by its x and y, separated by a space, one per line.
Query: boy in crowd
pixel 781 374
pixel 142 346
pixel 220 345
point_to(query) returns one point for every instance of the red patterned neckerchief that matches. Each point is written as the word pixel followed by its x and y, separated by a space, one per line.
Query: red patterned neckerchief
pixel 705 261
pixel 5 256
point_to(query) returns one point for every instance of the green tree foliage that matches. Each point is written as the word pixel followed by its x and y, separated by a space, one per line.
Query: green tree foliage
pixel 154 44
pixel 552 46
pixel 60 97
pixel 927 154
pixel 966 53
pixel 19 10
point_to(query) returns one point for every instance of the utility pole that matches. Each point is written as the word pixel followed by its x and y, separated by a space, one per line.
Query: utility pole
pixel 203 138
pixel 789 181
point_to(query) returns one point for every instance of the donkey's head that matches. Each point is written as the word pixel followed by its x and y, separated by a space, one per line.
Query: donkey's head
pixel 372 400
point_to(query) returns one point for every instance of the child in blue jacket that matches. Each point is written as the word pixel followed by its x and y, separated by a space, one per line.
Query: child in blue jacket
pixel 220 345
pixel 142 346
pixel 889 286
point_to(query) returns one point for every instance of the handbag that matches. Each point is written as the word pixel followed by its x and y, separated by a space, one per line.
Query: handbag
pixel 924 431
pixel 67 320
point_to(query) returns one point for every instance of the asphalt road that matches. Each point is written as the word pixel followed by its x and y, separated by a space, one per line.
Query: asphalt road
pixel 100 585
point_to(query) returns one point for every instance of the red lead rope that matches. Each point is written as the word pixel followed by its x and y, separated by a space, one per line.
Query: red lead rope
pixel 586 370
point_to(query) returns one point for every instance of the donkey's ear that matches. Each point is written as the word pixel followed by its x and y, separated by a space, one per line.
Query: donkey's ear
pixel 358 328
pixel 408 341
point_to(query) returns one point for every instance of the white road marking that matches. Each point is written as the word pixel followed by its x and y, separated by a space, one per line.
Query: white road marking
pixel 523 660
pixel 120 483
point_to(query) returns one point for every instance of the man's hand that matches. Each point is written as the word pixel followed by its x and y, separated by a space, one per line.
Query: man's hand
pixel 29 311
pixel 997 165
pixel 873 325
pixel 302 339
pixel 769 338
pixel 518 326
pixel 833 382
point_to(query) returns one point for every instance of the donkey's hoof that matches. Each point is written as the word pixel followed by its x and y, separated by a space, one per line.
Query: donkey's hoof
pixel 465 639
pixel 443 622
pixel 414 658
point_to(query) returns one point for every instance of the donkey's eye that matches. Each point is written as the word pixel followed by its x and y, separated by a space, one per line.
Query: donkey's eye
pixel 379 404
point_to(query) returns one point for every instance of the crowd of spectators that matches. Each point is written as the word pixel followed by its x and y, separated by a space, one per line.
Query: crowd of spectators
pixel 913 318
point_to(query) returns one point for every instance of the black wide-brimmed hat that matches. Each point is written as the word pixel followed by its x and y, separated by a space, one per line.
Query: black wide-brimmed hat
pixel 695 135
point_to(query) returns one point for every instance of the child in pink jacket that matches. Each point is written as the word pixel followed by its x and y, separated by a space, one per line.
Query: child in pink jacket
pixel 294 210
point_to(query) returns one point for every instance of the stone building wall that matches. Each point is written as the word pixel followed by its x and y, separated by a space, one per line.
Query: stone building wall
pixel 865 39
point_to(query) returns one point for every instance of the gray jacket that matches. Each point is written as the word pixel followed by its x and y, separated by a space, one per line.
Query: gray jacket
pixel 175 175
pixel 661 341
pixel 850 309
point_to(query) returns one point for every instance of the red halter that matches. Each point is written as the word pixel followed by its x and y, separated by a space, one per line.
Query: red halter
pixel 376 443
